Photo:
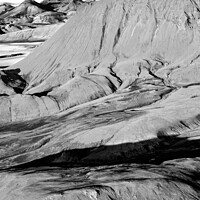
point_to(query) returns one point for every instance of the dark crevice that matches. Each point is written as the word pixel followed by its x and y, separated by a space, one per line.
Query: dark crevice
pixel 113 73
pixel 157 77
pixel 166 93
pixel 188 22
pixel 140 69
pixel 196 5
pixel 104 24
pixel 73 74
pixel 194 59
pixel 18 90
pixel 117 36
pixel 120 28
pixel 192 84
pixel 195 96
pixel 40 94
pixel 112 86
pixel 55 100
pixel 12 55
pixel 184 124
pixel 3 67
pixel 4 95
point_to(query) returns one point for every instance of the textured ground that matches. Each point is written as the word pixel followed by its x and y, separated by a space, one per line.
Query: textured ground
pixel 171 180
pixel 118 83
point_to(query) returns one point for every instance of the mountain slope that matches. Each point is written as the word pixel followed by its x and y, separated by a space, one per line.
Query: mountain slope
pixel 149 36
pixel 5 7
pixel 133 49
pixel 26 8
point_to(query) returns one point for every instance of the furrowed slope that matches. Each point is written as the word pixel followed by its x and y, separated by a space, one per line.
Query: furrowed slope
pixel 123 30
pixel 123 41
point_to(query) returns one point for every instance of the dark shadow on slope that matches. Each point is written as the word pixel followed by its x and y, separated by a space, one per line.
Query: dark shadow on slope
pixel 69 171
pixel 154 151
pixel 74 169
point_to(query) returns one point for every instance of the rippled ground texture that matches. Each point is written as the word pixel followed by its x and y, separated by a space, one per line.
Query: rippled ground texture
pixel 117 85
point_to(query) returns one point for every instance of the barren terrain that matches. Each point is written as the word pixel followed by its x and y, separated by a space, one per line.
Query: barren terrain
pixel 107 108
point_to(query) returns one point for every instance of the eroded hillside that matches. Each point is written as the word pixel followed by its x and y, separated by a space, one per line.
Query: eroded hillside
pixel 118 83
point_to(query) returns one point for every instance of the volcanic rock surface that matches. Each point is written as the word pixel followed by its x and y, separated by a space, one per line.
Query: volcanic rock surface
pixel 118 83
